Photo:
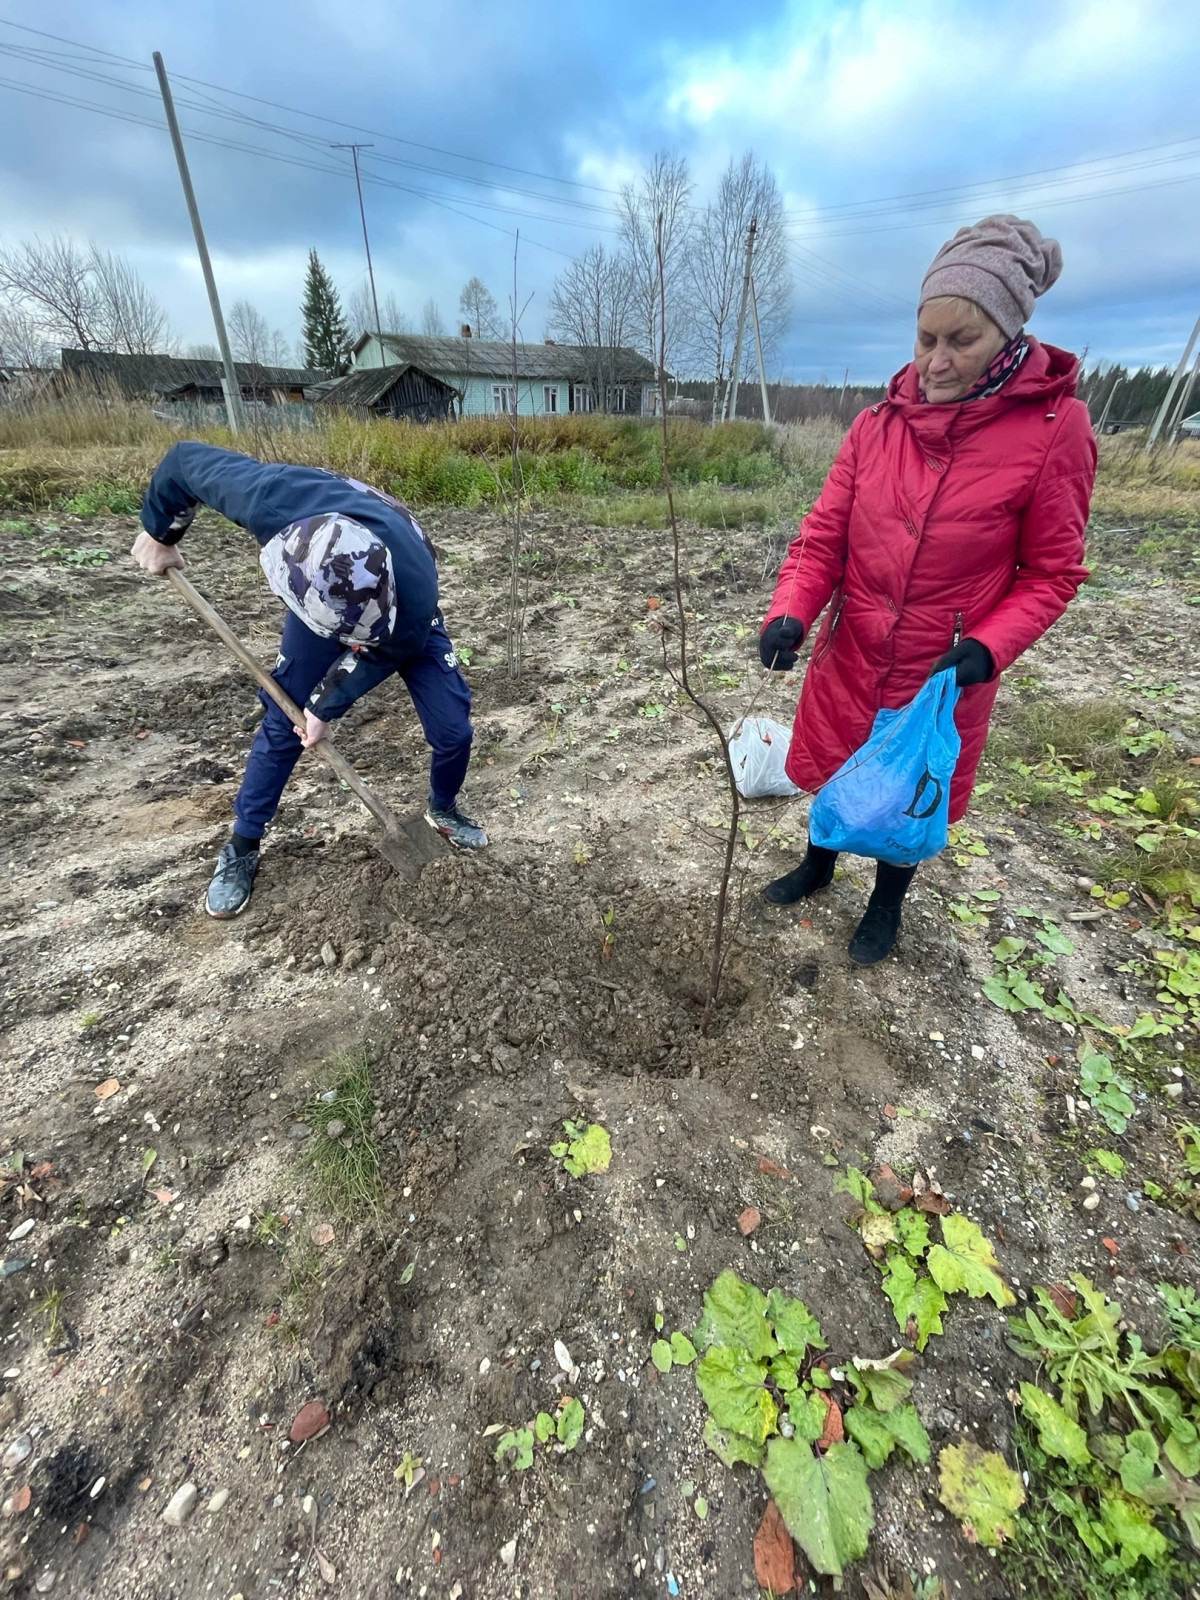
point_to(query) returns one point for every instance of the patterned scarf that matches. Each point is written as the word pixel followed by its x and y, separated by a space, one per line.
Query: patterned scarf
pixel 1002 367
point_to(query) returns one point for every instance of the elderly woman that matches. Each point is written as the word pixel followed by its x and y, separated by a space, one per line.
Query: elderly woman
pixel 949 533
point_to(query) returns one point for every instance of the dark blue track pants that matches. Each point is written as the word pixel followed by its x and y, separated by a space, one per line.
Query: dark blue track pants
pixel 439 692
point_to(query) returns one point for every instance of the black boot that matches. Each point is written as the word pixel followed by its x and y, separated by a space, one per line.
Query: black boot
pixel 876 933
pixel 814 872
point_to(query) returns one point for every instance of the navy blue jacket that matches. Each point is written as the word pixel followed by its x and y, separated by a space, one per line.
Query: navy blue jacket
pixel 267 497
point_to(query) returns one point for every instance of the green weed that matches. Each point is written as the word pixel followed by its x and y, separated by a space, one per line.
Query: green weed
pixel 104 496
pixel 341 1154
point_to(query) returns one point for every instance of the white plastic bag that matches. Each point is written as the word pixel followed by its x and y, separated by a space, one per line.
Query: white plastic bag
pixel 758 748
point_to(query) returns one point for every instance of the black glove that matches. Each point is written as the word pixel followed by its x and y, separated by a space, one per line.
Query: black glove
pixel 778 642
pixel 971 660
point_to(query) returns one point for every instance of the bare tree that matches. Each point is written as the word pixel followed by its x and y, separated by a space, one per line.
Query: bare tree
pixel 747 192
pixel 592 305
pixel 252 339
pixel 81 296
pixel 133 321
pixel 478 306
pixel 663 191
pixel 360 313
pixel 431 319
pixel 203 352
pixel 22 344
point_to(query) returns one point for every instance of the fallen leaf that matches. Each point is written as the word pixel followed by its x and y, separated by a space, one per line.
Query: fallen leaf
pixel 80 1534
pixel 106 1090
pixel 163 1196
pixel 890 1190
pixel 77 744
pixel 21 1501
pixel 1066 1300
pixel 982 1491
pixel 653 603
pixel 937 1204
pixel 889 1111
pixel 310 1420
pixel 772 1169
pixel 272 1319
pixel 145 734
pixel 327 1568
pixel 1111 1246
pixel 774 1553
pixel 749 1220
pixel 42 1170
pixel 833 1429
pixel 322 1235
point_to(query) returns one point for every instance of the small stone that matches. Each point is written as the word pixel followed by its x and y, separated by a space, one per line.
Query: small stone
pixel 97 1488
pixel 299 1130
pixel 1132 1201
pixel 938 1038
pixel 485 1366
pixel 353 957
pixel 311 1420
pixel 508 1553
pixel 18 1451
pixel 335 1128
pixel 217 1501
pixel 22 1230
pixel 45 1581
pixel 1090 1202
pixel 978 1052
pixel 328 954
pixel 9 1269
pixel 563 1356
pixel 1173 1091
pixel 1087 1183
pixel 181 1505
pixel 749 1220
pixel 244 1224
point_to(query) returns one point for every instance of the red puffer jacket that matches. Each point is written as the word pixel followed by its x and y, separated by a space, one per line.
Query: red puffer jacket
pixel 936 522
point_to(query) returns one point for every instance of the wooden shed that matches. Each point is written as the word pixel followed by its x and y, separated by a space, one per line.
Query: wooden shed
pixel 403 391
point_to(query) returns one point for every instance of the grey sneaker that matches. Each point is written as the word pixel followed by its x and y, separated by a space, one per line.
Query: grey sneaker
pixel 229 892
pixel 457 827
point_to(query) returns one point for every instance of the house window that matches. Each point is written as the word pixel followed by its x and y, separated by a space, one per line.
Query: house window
pixel 618 398
pixel 550 397
pixel 581 397
pixel 504 399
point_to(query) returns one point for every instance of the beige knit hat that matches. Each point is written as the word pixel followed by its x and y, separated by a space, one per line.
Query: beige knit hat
pixel 1003 264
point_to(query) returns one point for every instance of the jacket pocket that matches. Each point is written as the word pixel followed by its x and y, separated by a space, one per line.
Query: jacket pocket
pixel 825 642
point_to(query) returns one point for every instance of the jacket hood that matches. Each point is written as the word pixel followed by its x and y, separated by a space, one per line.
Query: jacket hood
pixel 1047 374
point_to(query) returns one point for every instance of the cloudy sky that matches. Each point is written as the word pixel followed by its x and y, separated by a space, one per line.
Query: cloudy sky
pixel 888 125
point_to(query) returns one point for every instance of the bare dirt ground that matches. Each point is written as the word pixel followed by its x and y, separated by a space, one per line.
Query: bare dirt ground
pixel 166 1326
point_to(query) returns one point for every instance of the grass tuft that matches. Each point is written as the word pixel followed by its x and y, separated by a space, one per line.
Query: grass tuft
pixel 341 1154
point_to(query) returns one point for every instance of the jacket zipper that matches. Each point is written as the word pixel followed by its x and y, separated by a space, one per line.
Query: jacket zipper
pixel 958 627
pixel 833 627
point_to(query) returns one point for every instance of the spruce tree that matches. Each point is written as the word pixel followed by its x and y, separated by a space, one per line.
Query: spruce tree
pixel 327 341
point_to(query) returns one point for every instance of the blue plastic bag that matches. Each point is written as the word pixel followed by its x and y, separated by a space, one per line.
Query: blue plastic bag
pixel 891 799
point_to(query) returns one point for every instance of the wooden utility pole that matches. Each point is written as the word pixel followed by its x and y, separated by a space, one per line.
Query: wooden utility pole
pixel 1116 384
pixel 233 391
pixel 1185 394
pixel 362 211
pixel 741 322
pixel 1169 397
pixel 762 371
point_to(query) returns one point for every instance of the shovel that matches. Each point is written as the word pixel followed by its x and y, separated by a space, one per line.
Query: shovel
pixel 406 846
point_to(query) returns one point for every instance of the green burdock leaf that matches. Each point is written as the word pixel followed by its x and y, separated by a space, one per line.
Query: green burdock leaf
pixel 732 1448
pixel 570 1424
pixel 918 1298
pixel 733 1390
pixel 1130 1525
pixel 879 1434
pixel 1182 1448
pixel 885 1383
pixel 519 1443
pixel 825 1503
pixel 683 1351
pixel 544 1427
pixel 795 1326
pixel 807 1415
pixel 660 1354
pixel 1058 1434
pixel 1139 1465
pixel 912 1230
pixel 965 1261
pixel 735 1314
pixel 783 1370
pixel 589 1149
pixel 982 1491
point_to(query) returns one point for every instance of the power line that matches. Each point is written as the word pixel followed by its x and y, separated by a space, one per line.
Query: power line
pixel 414 144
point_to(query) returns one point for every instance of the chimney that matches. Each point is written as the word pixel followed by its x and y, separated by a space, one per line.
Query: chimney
pixel 548 341
pixel 465 330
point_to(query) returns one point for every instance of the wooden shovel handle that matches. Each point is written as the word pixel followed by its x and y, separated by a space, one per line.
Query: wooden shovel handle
pixel 325 749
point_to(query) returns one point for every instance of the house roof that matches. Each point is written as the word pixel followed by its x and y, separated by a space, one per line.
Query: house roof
pixel 493 358
pixel 369 385
pixel 156 374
